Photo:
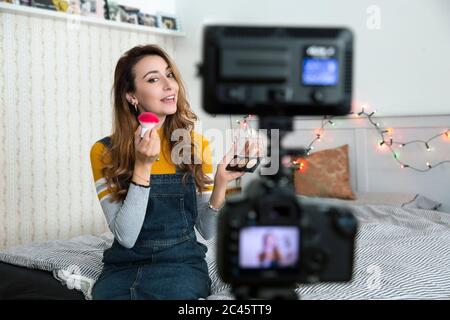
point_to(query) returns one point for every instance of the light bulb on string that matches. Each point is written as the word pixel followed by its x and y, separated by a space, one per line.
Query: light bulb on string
pixel 302 166
pixel 363 106
pixel 387 139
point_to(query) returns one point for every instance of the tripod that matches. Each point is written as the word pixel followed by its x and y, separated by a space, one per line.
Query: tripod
pixel 265 293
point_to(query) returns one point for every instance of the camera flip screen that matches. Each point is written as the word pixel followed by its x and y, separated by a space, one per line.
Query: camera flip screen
pixel 265 247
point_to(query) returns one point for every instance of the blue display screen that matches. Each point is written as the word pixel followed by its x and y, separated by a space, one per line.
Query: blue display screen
pixel 320 72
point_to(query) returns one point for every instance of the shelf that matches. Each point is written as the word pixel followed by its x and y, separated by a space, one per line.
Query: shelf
pixel 37 12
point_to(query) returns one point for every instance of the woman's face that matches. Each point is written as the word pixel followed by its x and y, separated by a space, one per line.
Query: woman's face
pixel 270 242
pixel 156 87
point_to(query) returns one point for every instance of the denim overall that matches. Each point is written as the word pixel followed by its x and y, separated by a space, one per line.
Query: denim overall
pixel 166 262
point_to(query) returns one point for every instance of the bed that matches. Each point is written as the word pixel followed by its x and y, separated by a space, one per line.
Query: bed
pixel 402 252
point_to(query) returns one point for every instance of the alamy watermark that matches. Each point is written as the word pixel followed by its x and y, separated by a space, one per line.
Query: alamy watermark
pixel 224 145
pixel 373 21
pixel 374 280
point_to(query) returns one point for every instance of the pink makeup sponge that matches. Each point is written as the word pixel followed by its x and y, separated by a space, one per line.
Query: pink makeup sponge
pixel 148 121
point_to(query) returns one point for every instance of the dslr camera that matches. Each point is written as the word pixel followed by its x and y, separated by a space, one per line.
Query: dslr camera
pixel 268 239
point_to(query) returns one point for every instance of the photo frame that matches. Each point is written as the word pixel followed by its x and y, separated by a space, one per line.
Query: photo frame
pixel 128 14
pixel 45 4
pixel 111 10
pixel 149 20
pixel 168 21
pixel 87 7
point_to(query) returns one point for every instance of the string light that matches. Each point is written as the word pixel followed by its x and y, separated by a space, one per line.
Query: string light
pixel 383 141
pixel 302 166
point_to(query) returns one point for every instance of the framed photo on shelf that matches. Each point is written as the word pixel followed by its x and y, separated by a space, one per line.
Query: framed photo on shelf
pixel 88 7
pixel 146 19
pixel 168 21
pixel 112 10
pixel 45 4
pixel 128 14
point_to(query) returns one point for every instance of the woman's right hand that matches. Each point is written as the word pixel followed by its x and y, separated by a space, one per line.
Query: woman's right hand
pixel 147 149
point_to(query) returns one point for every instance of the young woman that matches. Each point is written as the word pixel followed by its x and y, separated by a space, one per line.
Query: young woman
pixel 270 256
pixel 152 201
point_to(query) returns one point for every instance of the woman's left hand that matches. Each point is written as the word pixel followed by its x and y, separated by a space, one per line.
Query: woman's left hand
pixel 223 176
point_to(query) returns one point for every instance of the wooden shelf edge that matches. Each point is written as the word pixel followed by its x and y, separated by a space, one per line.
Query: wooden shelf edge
pixel 37 12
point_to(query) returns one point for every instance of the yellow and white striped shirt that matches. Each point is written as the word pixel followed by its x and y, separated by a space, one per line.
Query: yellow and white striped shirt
pixel 125 218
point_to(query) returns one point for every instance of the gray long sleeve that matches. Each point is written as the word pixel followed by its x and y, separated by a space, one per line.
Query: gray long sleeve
pixel 125 218
pixel 206 223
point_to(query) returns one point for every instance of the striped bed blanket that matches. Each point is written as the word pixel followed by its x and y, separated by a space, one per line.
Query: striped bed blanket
pixel 400 253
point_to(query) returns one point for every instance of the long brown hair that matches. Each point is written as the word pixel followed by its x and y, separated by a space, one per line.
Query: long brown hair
pixel 119 157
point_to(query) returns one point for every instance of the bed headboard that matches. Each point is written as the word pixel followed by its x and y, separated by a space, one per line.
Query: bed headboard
pixel 55 85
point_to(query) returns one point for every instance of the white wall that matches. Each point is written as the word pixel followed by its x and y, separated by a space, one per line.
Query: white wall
pixel 401 68
pixel 55 84
pixel 373 169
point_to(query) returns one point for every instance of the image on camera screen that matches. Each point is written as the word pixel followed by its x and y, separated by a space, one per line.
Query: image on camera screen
pixel 264 247
pixel 320 72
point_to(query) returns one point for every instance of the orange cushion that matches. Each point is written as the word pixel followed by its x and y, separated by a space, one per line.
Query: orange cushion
pixel 325 174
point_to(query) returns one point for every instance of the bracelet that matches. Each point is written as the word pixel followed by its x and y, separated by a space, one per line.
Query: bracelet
pixel 146 180
pixel 213 208
pixel 140 185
